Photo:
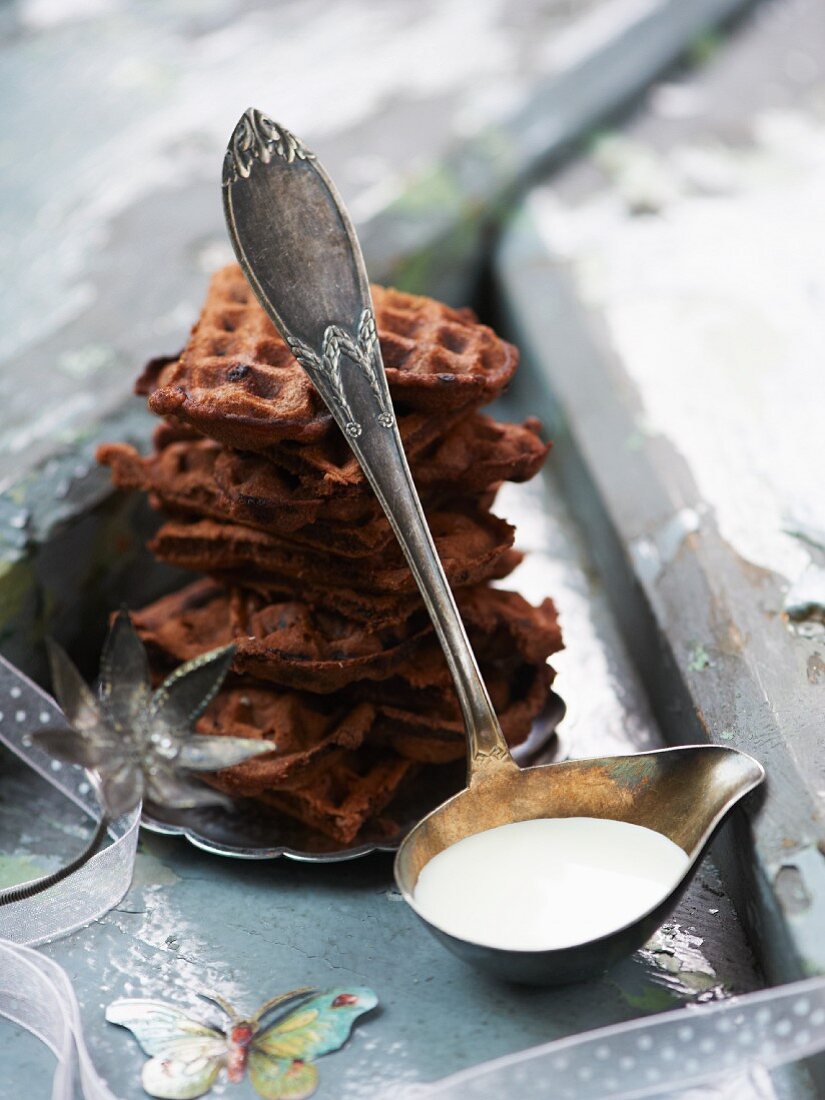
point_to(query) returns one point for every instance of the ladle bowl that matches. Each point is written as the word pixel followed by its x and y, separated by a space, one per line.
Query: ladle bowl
pixel 684 793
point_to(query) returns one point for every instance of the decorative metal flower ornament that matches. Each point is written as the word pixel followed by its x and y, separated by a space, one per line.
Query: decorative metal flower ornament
pixel 138 744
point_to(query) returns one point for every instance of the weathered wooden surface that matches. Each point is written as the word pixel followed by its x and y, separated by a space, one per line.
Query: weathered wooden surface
pixel 669 291
pixel 194 922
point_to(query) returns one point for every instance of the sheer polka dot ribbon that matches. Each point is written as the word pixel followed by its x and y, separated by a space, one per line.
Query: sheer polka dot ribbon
pixel 719 1051
pixel 34 991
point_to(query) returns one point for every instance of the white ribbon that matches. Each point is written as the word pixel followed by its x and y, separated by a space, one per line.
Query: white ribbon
pixel 723 1051
pixel 34 991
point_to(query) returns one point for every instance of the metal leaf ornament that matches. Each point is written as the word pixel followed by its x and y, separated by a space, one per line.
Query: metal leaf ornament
pixel 139 743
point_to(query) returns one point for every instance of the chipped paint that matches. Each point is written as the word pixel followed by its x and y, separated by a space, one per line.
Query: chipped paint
pixel 677 961
pixel 795 877
pixel 640 177
pixel 724 350
pixel 150 870
pixel 163 954
pixel 804 602
pixel 450 53
pixel 23 866
pixel 647 999
pixel 698 658
pixel 653 553
pixel 790 889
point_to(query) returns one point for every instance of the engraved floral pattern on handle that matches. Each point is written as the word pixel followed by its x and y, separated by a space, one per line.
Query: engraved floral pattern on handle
pixel 370 351
pixel 327 367
pixel 325 371
pixel 257 137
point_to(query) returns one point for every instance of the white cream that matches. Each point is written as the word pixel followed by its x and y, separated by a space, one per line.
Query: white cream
pixel 548 883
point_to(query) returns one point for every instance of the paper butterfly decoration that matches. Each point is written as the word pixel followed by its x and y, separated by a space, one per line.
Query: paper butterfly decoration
pixel 187 1056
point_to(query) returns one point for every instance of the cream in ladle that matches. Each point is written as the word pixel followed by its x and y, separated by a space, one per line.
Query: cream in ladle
pixel 548 883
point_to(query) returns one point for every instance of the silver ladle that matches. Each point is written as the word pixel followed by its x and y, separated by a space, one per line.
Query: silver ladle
pixel 298 249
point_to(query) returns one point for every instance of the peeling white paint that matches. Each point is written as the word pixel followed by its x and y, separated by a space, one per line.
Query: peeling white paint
pixel 167 957
pixel 716 307
pixel 595 30
pixel 653 553
pixel 675 953
pixel 40 14
pixel 805 599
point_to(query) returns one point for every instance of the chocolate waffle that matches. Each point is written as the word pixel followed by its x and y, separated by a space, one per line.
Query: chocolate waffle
pixel 196 476
pixel 434 733
pixel 474 456
pixel 185 479
pixel 341 799
pixel 328 464
pixel 168 431
pixel 311 733
pixel 297 646
pixel 472 548
pixel 362 607
pixel 237 381
pixel 265 496
pixel 336 766
pixel 180 478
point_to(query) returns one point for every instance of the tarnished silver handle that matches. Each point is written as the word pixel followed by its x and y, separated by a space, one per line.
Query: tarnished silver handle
pixel 298 249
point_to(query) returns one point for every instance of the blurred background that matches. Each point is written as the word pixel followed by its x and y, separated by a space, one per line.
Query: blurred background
pixel 633 191
pixel 431 117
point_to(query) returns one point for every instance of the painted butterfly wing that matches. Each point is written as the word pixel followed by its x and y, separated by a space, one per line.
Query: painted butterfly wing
pixel 181 1079
pixel 187 1055
pixel 280 1078
pixel 164 1031
pixel 317 1026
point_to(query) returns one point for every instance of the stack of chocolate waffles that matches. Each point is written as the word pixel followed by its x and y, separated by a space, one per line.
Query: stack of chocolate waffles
pixel 336 660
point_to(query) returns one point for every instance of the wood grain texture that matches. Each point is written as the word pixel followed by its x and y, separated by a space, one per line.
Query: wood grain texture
pixel 701 611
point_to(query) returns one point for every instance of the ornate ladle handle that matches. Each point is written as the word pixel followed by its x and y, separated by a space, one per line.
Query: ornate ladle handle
pixel 298 249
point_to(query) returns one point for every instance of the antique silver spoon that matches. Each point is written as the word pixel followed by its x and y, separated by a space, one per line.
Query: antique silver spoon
pixel 298 249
